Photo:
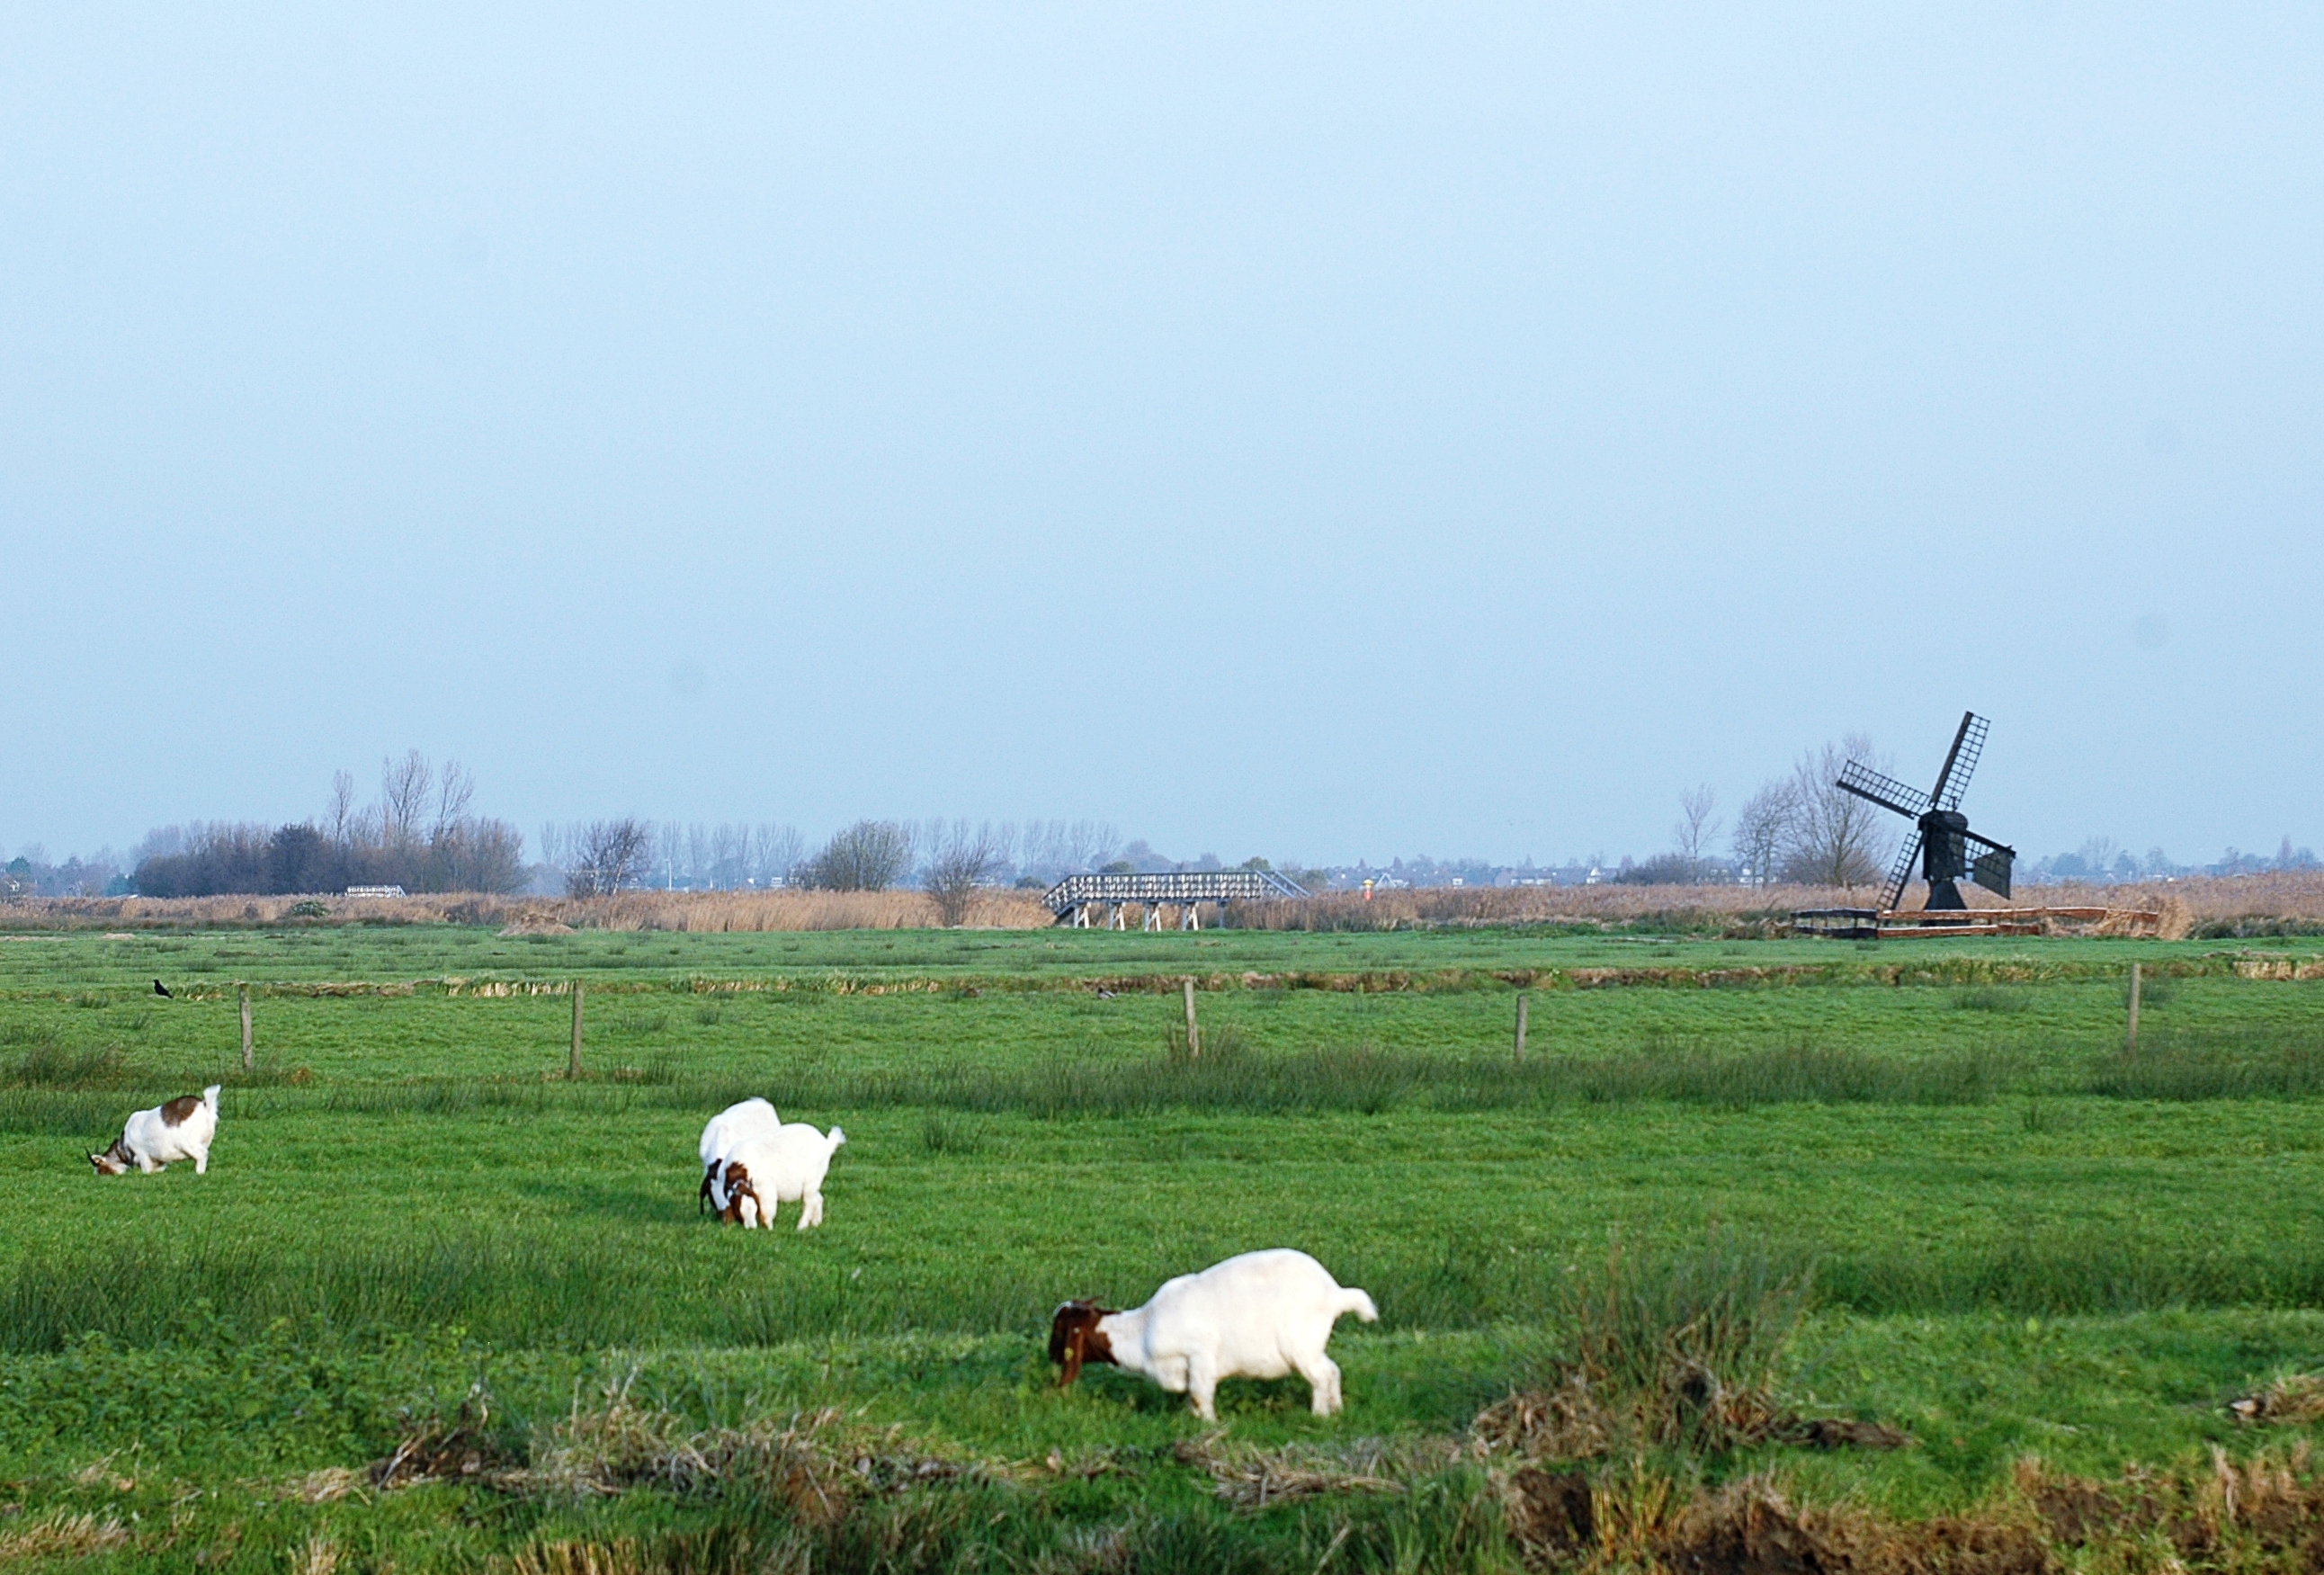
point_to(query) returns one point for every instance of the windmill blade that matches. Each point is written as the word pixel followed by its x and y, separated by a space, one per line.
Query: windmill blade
pixel 1991 868
pixel 1900 873
pixel 1960 761
pixel 1885 791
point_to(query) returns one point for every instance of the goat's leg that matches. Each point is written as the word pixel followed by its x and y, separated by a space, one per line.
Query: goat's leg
pixel 1323 1376
pixel 1202 1384
pixel 202 1162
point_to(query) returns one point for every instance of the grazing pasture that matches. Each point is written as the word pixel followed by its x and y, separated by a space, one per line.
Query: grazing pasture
pixel 436 1304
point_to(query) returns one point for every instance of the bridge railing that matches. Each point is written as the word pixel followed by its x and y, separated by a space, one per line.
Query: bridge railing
pixel 1178 885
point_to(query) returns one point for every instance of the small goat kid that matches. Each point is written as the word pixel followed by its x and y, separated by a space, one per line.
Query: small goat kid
pixel 786 1166
pixel 181 1129
pixel 1260 1315
pixel 728 1127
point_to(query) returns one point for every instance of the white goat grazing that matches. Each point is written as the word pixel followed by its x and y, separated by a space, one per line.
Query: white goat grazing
pixel 726 1129
pixel 786 1167
pixel 1256 1316
pixel 181 1129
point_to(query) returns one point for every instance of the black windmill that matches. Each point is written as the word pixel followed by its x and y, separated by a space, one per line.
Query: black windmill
pixel 1948 850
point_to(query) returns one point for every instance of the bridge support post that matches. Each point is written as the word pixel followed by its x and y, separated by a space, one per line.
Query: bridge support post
pixel 1116 922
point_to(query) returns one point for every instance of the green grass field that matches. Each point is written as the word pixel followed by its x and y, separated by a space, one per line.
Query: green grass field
pixel 2022 1239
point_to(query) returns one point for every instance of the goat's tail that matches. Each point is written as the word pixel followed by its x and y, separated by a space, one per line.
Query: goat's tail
pixel 1353 1301
pixel 835 1137
pixel 209 1097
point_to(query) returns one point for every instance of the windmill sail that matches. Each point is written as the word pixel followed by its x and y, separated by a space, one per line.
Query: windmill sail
pixel 1885 791
pixel 1960 761
pixel 1900 873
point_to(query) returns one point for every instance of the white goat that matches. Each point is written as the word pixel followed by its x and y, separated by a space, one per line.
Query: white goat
pixel 726 1129
pixel 1256 1316
pixel 786 1166
pixel 181 1129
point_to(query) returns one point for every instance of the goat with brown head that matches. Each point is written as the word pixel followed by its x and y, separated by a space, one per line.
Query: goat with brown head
pixel 737 1186
pixel 1074 1338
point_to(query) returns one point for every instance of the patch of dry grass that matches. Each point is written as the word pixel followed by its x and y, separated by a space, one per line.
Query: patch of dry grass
pixel 62 1536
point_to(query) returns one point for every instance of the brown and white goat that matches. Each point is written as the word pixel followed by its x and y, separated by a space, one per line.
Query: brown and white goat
pixel 1260 1315
pixel 183 1128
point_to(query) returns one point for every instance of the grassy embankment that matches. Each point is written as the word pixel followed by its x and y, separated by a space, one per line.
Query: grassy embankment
pixel 2024 1241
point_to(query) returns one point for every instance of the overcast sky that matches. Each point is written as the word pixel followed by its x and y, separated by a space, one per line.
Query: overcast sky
pixel 1326 432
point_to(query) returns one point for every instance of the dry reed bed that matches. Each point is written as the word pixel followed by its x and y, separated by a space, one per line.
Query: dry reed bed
pixel 694 911
pixel 2274 898
pixel 2294 896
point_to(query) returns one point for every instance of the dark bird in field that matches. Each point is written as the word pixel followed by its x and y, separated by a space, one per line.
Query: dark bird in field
pixel 162 989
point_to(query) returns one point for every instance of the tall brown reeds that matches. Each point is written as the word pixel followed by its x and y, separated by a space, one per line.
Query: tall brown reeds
pixel 694 911
pixel 2276 903
pixel 2201 905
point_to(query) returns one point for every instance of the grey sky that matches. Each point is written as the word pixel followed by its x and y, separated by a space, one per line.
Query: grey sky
pixel 1322 431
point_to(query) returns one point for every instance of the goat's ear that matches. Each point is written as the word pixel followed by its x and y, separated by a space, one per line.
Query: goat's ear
pixel 1069 1338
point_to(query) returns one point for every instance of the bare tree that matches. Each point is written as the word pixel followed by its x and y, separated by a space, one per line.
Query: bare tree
pixel 1837 839
pixel 1763 828
pixel 608 854
pixel 1696 826
pixel 959 860
pixel 454 788
pixel 870 855
pixel 1091 842
pixel 730 846
pixel 403 793
pixel 341 810
pixel 775 852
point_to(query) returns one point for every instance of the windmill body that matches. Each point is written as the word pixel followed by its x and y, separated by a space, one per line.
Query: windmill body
pixel 1947 850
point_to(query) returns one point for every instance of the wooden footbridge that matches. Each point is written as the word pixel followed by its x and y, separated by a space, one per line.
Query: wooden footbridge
pixel 1076 897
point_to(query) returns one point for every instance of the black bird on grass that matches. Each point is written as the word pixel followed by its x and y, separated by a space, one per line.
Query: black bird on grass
pixel 162 989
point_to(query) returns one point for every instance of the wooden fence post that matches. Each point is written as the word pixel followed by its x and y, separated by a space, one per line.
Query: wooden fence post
pixel 573 1060
pixel 1521 1028
pixel 244 990
pixel 1194 1033
pixel 2133 1046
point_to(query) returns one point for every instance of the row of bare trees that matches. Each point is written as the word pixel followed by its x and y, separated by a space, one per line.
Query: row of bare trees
pixel 949 858
pixel 419 833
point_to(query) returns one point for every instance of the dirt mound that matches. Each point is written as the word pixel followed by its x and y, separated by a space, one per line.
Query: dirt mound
pixel 1749 1529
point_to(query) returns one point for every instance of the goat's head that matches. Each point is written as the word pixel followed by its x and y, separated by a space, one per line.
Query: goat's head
pixel 738 1187
pixel 113 1161
pixel 1074 1338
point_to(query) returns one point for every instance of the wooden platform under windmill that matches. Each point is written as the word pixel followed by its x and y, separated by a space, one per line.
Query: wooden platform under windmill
pixel 1872 923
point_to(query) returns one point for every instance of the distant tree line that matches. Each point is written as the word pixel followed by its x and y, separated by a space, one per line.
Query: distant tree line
pixel 946 857
pixel 420 835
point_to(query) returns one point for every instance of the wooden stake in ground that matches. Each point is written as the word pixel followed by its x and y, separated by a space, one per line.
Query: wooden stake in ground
pixel 573 1060
pixel 1194 1033
pixel 2134 1009
pixel 1521 1028
pixel 244 990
